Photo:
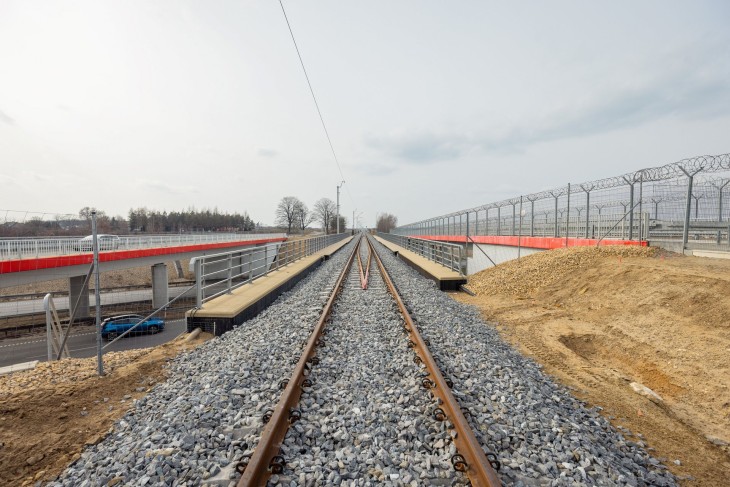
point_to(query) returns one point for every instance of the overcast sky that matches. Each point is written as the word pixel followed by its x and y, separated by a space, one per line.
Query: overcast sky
pixel 432 106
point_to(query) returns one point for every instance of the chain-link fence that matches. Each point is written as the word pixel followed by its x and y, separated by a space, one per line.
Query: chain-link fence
pixel 679 205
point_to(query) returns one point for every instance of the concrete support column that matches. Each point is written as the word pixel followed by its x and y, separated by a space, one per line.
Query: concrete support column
pixel 78 292
pixel 160 295
pixel 179 269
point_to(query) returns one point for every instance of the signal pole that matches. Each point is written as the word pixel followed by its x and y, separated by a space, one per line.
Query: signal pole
pixel 338 205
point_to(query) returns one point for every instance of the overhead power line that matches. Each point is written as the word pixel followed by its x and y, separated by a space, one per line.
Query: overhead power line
pixel 311 90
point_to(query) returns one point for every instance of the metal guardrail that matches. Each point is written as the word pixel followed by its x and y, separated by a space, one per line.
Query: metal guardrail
pixel 448 255
pixel 219 274
pixel 29 248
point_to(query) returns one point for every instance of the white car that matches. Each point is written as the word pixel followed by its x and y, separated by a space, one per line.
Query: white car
pixel 106 242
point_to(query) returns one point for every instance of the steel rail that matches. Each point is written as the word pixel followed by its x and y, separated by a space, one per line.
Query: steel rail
pixel 363 281
pixel 367 267
pixel 475 465
pixel 259 467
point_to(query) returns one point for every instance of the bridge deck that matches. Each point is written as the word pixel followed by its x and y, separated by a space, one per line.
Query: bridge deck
pixel 444 277
pixel 224 312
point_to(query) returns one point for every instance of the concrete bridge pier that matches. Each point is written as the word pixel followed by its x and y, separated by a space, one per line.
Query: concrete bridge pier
pixel 77 291
pixel 160 294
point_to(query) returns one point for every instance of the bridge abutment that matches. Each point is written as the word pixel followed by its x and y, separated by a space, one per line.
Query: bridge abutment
pixel 77 291
pixel 160 294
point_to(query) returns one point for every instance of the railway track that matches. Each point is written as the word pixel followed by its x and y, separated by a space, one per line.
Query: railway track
pixel 336 421
pixel 324 388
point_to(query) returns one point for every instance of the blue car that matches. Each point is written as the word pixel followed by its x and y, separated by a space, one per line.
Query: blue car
pixel 116 325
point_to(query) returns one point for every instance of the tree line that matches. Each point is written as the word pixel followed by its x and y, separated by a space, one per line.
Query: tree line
pixel 140 220
pixel 293 213
pixel 191 220
pixel 386 222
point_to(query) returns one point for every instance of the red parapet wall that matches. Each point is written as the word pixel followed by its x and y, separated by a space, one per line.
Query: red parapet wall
pixel 24 265
pixel 546 243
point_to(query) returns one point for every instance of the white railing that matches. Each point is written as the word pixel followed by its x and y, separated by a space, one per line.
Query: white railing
pixel 447 254
pixel 31 248
pixel 221 273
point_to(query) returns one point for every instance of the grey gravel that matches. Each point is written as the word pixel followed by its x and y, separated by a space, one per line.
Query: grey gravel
pixel 207 415
pixel 196 426
pixel 542 435
pixel 367 418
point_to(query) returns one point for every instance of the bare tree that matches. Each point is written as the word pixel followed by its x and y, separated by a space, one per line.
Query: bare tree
pixel 386 222
pixel 287 211
pixel 333 223
pixel 324 210
pixel 102 220
pixel 303 216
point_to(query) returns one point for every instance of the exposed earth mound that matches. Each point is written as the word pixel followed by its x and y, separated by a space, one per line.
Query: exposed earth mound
pixel 611 322
pixel 48 415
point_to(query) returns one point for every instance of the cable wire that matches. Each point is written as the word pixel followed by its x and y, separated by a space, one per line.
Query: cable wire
pixel 311 90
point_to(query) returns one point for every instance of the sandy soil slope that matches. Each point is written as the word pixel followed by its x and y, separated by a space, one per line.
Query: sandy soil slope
pixel 47 415
pixel 600 319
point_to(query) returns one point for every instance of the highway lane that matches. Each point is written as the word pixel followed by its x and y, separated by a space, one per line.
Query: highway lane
pixel 29 306
pixel 82 344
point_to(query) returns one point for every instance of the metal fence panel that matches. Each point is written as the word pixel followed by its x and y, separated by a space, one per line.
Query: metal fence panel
pixel 683 204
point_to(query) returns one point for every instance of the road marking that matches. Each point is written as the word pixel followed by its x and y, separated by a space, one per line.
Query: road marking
pixel 42 340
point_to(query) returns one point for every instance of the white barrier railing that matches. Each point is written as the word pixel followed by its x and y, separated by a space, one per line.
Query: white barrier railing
pixel 448 255
pixel 30 248
pixel 221 273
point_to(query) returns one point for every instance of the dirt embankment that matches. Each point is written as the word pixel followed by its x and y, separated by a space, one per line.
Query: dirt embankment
pixel 600 319
pixel 48 415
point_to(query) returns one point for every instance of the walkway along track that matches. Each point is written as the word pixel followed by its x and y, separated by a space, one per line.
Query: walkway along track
pixel 267 459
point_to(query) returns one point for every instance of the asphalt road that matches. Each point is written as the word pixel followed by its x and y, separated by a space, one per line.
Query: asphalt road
pixel 20 307
pixel 82 344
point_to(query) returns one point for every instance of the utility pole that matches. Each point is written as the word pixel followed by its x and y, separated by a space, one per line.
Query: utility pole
pixel 338 205
pixel 97 294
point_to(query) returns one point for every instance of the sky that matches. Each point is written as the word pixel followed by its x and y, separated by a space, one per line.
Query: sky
pixel 431 106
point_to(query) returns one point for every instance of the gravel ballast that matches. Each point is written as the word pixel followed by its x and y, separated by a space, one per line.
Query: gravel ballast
pixel 366 420
pixel 542 435
pixel 367 417
pixel 195 427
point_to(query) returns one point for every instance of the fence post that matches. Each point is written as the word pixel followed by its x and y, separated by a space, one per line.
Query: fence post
pixel 514 216
pixel 719 199
pixel 532 218
pixel 97 295
pixel 641 201
pixel 519 235
pixel 687 210
pixel 588 207
pixel 567 218
pixel 49 336
pixel 199 282
pixel 555 230
pixel 631 207
pixel 467 228
pixel 499 220
pixel 230 271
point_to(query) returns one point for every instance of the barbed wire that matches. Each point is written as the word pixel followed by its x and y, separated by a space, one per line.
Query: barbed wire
pixel 676 170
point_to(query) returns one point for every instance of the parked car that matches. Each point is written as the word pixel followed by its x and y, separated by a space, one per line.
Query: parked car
pixel 116 325
pixel 106 242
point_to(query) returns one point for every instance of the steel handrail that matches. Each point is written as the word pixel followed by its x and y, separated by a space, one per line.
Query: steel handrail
pixel 447 254
pixel 256 265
